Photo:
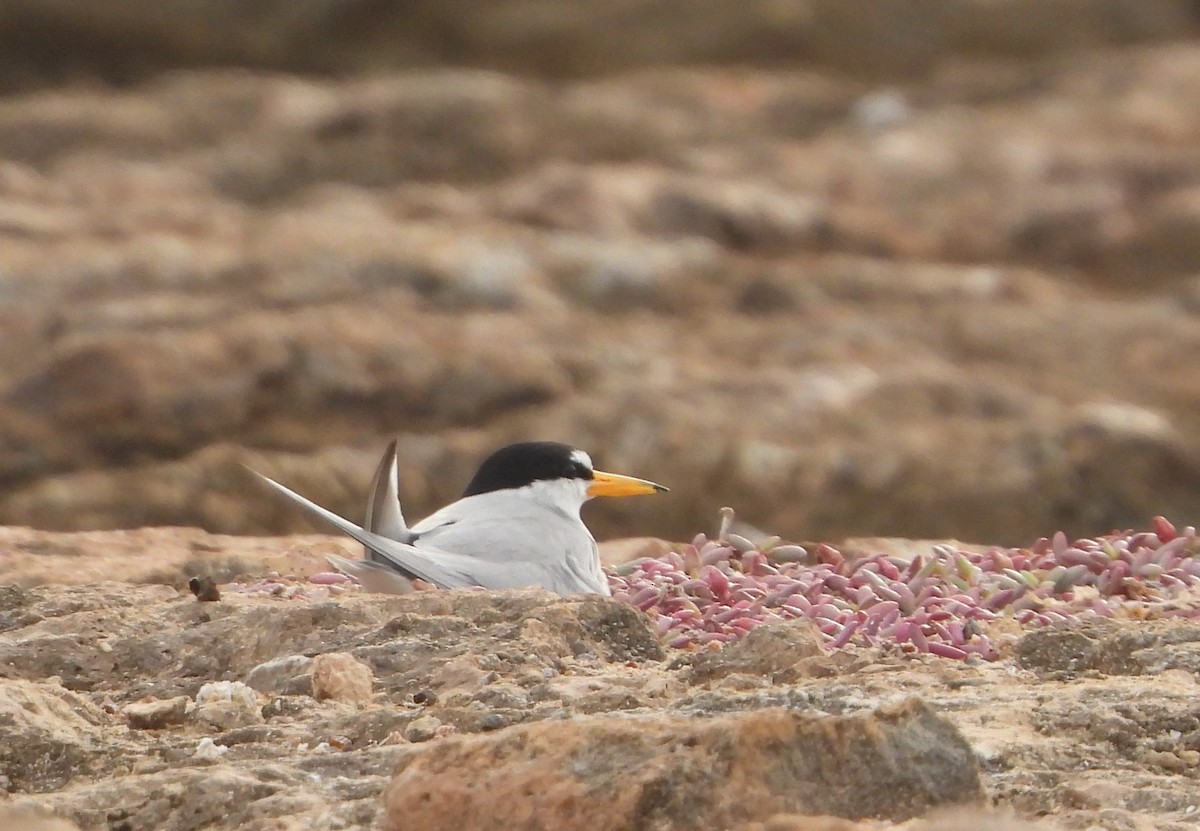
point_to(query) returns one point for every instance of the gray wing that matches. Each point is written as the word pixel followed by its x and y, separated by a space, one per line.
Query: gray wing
pixel 531 542
pixel 450 570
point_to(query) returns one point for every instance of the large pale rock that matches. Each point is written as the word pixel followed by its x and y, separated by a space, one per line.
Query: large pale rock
pixel 288 674
pixel 51 736
pixel 226 704
pixel 341 677
pixel 156 714
pixel 770 651
pixel 672 773
pixel 185 799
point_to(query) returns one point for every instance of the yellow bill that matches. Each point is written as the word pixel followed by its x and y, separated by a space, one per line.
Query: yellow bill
pixel 614 484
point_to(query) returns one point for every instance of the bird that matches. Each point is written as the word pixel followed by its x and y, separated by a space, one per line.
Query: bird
pixel 517 525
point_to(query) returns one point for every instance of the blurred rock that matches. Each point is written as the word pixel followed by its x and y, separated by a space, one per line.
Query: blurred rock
pixel 290 674
pixel 618 278
pixel 341 677
pixel 422 729
pixel 804 822
pixel 769 650
pixel 51 735
pixel 764 287
pixel 226 704
pixel 678 773
pixel 134 39
pixel 1064 653
pixel 156 714
pixel 20 819
pixel 743 216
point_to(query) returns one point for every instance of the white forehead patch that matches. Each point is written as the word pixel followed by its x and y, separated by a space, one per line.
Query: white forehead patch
pixel 581 458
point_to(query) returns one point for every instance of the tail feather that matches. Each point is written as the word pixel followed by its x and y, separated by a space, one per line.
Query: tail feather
pixel 373 576
pixel 403 557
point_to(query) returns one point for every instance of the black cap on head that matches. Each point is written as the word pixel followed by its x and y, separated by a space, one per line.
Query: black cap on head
pixel 522 464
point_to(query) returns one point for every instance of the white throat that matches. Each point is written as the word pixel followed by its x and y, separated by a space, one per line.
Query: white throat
pixel 565 495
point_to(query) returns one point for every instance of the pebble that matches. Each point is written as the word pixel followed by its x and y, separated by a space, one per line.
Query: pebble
pixel 493 721
pixel 209 750
pixel 422 729
pixel 339 676
pixel 157 713
pixel 226 705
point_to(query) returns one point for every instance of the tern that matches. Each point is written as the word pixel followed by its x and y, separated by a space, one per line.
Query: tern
pixel 517 525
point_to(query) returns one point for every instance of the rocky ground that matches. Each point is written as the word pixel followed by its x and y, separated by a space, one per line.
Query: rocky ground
pixel 292 703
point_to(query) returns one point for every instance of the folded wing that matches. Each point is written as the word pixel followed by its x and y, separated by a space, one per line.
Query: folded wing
pixel 446 569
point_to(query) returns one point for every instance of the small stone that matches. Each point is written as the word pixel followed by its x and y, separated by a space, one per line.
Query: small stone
pixel 227 704
pixel 278 673
pixel 156 714
pixel 603 701
pixel 493 721
pixel 209 750
pixel 205 589
pixel 422 729
pixel 1057 651
pixel 288 705
pixel 765 651
pixel 1164 759
pixel 339 676
pixel 425 697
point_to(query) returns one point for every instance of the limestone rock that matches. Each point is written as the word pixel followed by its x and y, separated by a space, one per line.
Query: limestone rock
pixel 671 773
pixel 51 736
pixel 226 704
pixel 1066 653
pixel 766 651
pixel 805 822
pixel 341 677
pixel 156 714
pixel 422 729
pixel 290 674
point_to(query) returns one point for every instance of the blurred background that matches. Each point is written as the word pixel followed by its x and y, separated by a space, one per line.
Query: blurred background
pixel 854 267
